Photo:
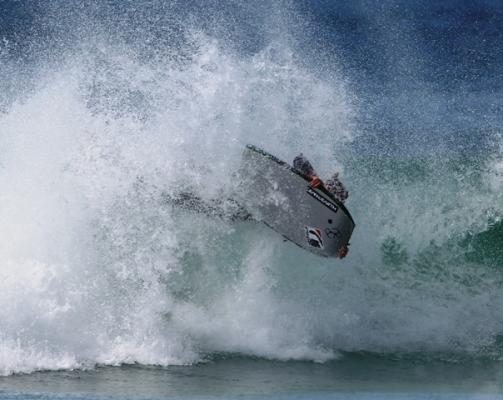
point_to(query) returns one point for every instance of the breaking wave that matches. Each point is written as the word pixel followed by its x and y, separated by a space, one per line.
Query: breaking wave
pixel 96 269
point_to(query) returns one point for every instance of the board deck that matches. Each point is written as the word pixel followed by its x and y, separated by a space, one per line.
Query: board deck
pixel 280 196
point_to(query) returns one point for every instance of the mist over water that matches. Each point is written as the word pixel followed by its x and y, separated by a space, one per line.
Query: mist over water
pixel 107 107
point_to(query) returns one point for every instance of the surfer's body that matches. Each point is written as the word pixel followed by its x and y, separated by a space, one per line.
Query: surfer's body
pixel 332 185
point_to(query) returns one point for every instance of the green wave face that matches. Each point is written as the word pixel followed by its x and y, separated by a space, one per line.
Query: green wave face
pixel 485 247
pixel 449 207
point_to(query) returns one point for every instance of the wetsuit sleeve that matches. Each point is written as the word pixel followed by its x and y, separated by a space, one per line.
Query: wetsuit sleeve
pixel 336 187
pixel 303 165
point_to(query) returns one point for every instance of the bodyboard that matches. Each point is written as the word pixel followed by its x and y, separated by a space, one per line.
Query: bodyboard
pixel 280 196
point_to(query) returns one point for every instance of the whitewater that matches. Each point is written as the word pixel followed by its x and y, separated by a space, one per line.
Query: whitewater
pixel 95 270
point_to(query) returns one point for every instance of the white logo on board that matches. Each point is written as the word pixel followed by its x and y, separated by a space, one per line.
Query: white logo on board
pixel 313 236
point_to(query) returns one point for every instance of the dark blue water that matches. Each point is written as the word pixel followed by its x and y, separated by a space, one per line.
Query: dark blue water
pixel 424 69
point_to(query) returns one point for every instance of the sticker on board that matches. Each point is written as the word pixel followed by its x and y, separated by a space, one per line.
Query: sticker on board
pixel 313 236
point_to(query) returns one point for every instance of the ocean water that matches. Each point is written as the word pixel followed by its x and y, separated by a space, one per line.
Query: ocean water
pixel 106 291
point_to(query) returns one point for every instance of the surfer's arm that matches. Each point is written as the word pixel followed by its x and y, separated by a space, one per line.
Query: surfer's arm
pixel 302 164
